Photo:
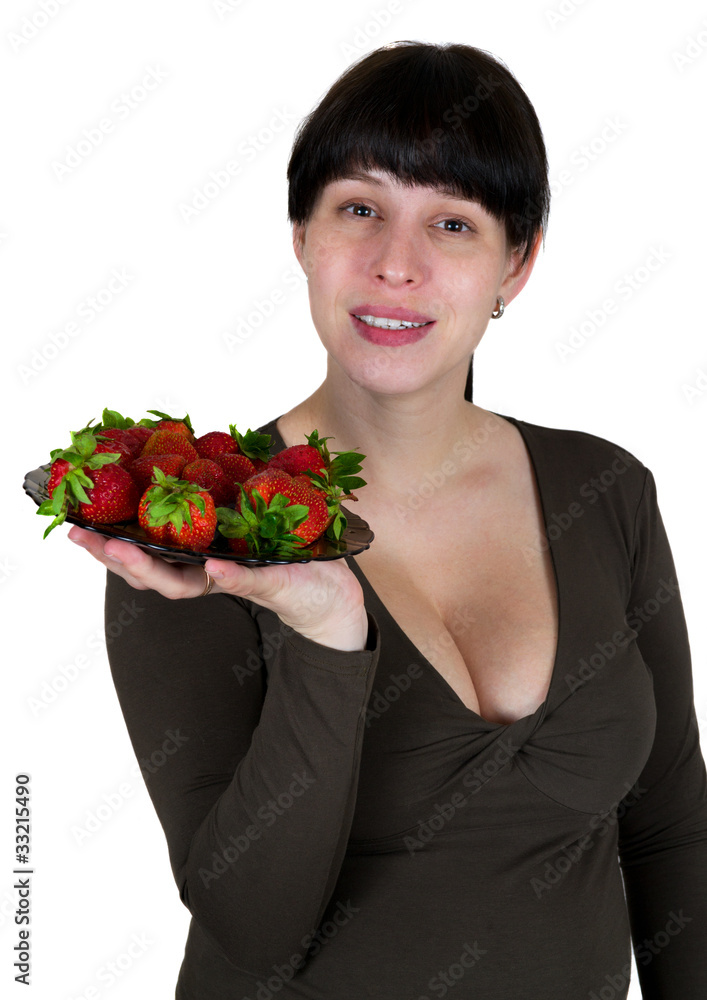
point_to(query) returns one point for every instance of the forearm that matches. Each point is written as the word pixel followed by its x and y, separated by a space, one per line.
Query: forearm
pixel 258 801
pixel 262 865
pixel 667 902
pixel 663 836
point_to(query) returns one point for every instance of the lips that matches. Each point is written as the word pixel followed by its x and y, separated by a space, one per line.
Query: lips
pixel 390 338
pixel 392 312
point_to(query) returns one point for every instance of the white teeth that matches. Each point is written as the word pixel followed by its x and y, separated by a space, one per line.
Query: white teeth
pixel 388 324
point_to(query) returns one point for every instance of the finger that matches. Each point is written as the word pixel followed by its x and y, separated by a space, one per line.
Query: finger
pixel 173 580
pixel 95 543
pixel 244 581
pixel 141 570
pixel 116 558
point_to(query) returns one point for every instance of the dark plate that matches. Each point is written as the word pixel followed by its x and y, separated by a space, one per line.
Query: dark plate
pixel 357 536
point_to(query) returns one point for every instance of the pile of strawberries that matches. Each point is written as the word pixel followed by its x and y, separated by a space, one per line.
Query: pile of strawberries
pixel 182 489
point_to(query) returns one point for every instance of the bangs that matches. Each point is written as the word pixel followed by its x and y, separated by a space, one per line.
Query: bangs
pixel 447 117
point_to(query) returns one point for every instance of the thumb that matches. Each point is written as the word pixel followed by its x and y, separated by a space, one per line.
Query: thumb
pixel 241 580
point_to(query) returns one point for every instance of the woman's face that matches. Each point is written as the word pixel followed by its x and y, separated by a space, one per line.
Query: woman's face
pixel 376 246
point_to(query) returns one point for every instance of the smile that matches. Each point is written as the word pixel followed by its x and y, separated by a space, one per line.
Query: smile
pixel 383 323
pixel 389 332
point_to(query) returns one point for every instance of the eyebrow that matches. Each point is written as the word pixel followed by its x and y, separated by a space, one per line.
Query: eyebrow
pixel 360 175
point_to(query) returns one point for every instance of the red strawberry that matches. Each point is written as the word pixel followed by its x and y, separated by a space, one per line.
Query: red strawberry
pixel 114 435
pixel 114 496
pixel 306 481
pixel 318 519
pixel 297 459
pixel 268 483
pixel 276 516
pixel 239 546
pixel 175 512
pixel 169 443
pixel 114 426
pixel 237 468
pixel 111 446
pixel 177 427
pixel 335 480
pixel 110 439
pixel 140 434
pixel 168 423
pixel 214 444
pixel 89 480
pixel 142 468
pixel 57 471
pixel 211 477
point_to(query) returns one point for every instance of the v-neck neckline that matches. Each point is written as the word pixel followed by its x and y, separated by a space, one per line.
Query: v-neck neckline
pixel 363 579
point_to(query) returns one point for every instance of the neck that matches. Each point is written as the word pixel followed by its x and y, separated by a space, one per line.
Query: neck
pixel 411 441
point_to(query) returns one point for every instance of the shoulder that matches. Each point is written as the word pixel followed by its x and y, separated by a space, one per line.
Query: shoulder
pixel 586 468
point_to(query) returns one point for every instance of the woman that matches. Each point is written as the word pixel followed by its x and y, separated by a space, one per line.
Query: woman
pixel 468 757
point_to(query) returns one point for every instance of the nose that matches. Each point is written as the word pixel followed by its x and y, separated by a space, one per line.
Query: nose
pixel 397 254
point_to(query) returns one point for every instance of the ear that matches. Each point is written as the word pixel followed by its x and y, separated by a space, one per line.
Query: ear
pixel 517 272
pixel 298 231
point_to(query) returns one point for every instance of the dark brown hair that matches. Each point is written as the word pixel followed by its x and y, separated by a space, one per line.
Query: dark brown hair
pixel 447 115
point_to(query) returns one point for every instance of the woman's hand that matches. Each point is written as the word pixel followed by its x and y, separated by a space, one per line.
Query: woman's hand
pixel 321 599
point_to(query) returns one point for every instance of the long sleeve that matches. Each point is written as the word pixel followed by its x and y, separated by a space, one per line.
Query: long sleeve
pixel 663 832
pixel 249 737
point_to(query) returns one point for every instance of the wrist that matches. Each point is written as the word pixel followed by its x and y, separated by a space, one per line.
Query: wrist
pixel 349 636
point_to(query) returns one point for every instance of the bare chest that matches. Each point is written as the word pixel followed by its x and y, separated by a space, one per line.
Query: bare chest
pixel 478 600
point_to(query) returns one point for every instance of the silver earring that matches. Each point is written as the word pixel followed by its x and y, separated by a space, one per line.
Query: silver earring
pixel 500 307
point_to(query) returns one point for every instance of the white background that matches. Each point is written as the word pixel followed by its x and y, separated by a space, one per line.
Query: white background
pixel 640 379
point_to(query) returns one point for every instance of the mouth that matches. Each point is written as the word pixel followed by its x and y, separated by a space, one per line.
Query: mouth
pixel 389 329
pixel 390 317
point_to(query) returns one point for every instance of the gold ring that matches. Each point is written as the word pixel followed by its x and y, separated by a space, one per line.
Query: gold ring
pixel 207 587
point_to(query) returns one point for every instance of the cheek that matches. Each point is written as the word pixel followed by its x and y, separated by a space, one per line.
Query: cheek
pixel 336 260
pixel 469 277
pixel 483 278
pixel 334 275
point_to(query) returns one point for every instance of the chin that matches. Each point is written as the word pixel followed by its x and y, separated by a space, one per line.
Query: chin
pixel 384 376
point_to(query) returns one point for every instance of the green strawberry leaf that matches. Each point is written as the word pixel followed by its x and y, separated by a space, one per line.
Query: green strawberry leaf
pixel 349 483
pixel 198 502
pixel 260 504
pixel 234 531
pixel 267 528
pixel 337 527
pixel 160 476
pixel 252 444
pixel 78 494
pixel 161 507
pixel 177 519
pixel 270 525
pixel 57 520
pixel 103 458
pixel 88 429
pixel 227 515
pixel 315 441
pixel 346 462
pixel 284 548
pixel 111 419
pixel 58 501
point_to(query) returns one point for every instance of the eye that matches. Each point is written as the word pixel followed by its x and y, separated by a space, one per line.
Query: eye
pixel 455 222
pixel 357 204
